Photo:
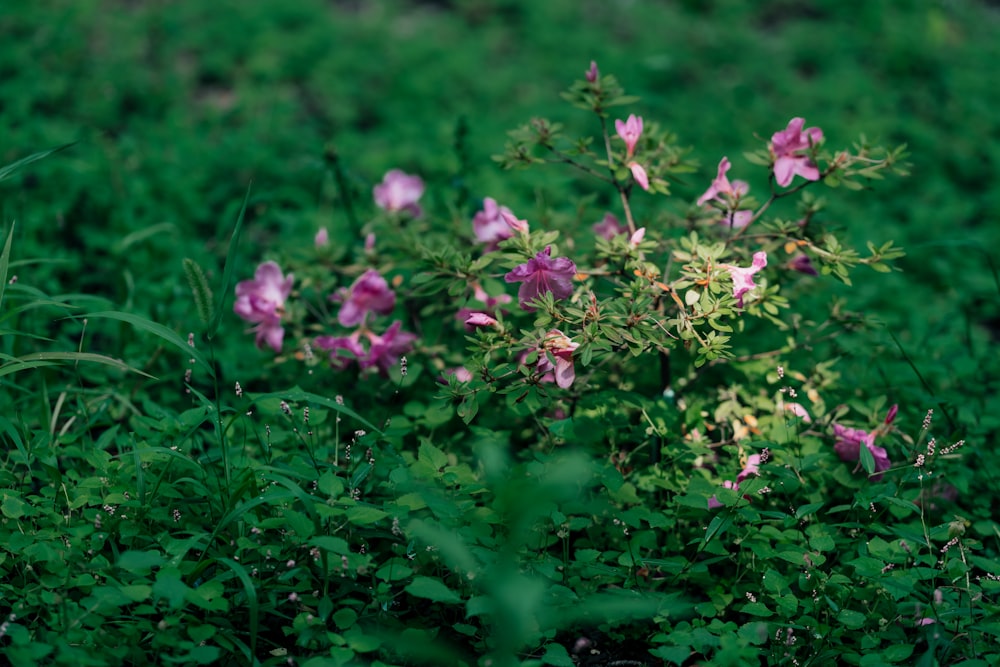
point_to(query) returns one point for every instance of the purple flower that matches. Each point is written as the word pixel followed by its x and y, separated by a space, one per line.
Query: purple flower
pixel 543 274
pixel 370 292
pixel 630 130
pixel 803 264
pixel 386 349
pixel 848 447
pixel 890 416
pixel 519 226
pixel 262 302
pixel 339 345
pixel 787 147
pixel 383 351
pixel 399 191
pixel 479 320
pixel 609 227
pixel 743 277
pixel 489 226
pixel 592 74
pixel 490 303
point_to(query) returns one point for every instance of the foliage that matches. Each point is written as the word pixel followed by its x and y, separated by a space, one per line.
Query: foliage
pixel 686 440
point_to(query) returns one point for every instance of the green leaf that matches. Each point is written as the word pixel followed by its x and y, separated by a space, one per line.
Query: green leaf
pixel 140 562
pixel 556 654
pixel 227 271
pixel 361 515
pixel 37 359
pixel 851 619
pixel 344 617
pixel 867 460
pixel 432 589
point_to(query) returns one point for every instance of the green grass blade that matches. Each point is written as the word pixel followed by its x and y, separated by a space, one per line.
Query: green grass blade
pixel 37 359
pixel 34 157
pixel 158 330
pixel 227 272
pixel 252 603
pixel 5 262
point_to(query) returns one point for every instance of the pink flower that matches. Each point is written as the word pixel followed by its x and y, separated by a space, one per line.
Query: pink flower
pixel 609 227
pixel 262 302
pixel 461 373
pixel 787 147
pixel 542 274
pixel 639 174
pixel 713 502
pixel 729 194
pixel 479 320
pixel 848 447
pixel 322 238
pixel 592 74
pixel 721 187
pixel 490 305
pixel 743 277
pixel 519 226
pixel 383 351
pixel 386 349
pixel 630 131
pixel 751 469
pixel 370 243
pixel 488 225
pixel 370 292
pixel 637 237
pixel 799 411
pixel 399 191
pixel 561 348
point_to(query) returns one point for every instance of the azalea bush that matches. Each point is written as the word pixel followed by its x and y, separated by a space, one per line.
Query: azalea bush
pixel 598 432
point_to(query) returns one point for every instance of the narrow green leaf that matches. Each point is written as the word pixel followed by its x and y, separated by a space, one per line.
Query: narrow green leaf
pixel 227 272
pixel 34 157
pixel 167 335
pixel 5 262
pixel 867 460
pixel 251 593
pixel 53 358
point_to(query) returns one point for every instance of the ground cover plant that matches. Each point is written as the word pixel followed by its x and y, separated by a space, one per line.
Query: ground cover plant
pixel 624 399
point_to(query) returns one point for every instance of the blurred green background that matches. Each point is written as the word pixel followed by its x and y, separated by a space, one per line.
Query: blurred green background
pixel 177 106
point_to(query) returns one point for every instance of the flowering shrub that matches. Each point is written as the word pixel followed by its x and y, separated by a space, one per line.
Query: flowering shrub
pixel 639 462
